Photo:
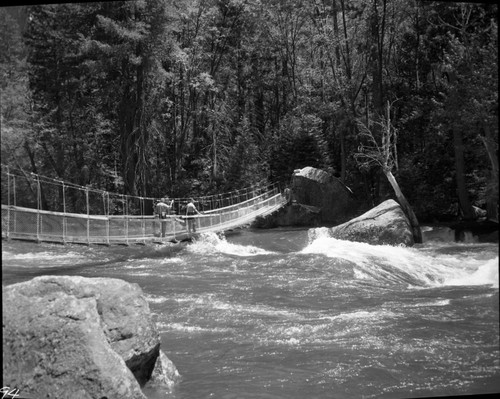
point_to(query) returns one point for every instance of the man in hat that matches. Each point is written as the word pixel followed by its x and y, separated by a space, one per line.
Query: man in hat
pixel 191 211
pixel 163 209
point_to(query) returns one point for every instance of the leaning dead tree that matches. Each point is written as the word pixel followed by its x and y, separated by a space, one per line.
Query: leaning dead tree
pixel 378 148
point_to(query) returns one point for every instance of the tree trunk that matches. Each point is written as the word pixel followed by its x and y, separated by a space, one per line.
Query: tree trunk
pixel 417 233
pixel 376 60
pixel 127 137
pixel 463 196
pixel 215 171
pixel 336 33
pixel 173 162
pixel 343 157
pixel 492 189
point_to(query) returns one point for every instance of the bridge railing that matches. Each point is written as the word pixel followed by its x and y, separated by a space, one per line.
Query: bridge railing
pixel 29 190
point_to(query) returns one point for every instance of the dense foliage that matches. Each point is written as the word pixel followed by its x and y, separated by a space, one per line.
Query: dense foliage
pixel 185 97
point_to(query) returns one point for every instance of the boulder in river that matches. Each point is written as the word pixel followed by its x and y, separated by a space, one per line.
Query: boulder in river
pixel 318 188
pixel 315 198
pixel 384 224
pixel 293 214
pixel 76 337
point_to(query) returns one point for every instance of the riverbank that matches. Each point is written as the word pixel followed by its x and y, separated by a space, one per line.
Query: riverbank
pixel 480 231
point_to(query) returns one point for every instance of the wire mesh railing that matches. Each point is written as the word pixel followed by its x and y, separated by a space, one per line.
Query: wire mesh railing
pixel 56 211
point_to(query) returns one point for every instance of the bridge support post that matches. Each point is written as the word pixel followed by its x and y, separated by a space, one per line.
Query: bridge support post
pixel 88 215
pixel 143 222
pixel 38 199
pixel 106 211
pixel 125 213
pixel 8 204
pixel 64 221
pixel 15 203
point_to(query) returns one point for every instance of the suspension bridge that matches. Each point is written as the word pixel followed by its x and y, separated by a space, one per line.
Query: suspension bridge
pixel 38 208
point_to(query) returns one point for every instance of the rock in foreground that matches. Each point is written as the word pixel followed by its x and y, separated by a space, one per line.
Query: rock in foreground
pixel 76 337
pixel 384 224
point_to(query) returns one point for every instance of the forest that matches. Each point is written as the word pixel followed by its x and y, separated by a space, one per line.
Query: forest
pixel 195 97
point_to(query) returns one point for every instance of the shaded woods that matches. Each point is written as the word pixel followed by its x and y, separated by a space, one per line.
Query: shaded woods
pixel 196 97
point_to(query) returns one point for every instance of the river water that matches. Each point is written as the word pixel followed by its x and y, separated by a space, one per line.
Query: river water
pixel 287 313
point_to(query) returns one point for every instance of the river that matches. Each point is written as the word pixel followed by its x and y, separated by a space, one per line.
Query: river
pixel 294 313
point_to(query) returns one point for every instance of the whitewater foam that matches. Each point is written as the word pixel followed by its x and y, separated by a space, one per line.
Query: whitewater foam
pixel 41 256
pixel 210 243
pixel 484 275
pixel 400 264
pixel 171 260
pixel 363 315
pixel 213 302
pixel 141 274
pixel 189 329
pixel 155 298
pixel 134 266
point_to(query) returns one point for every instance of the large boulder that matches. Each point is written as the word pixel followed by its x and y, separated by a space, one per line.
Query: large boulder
pixel 76 337
pixel 384 224
pixel 293 214
pixel 315 187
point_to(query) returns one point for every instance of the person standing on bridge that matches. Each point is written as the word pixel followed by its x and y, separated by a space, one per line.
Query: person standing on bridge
pixel 191 211
pixel 163 209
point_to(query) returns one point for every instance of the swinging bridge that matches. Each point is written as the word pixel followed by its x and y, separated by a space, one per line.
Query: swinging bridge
pixel 38 208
